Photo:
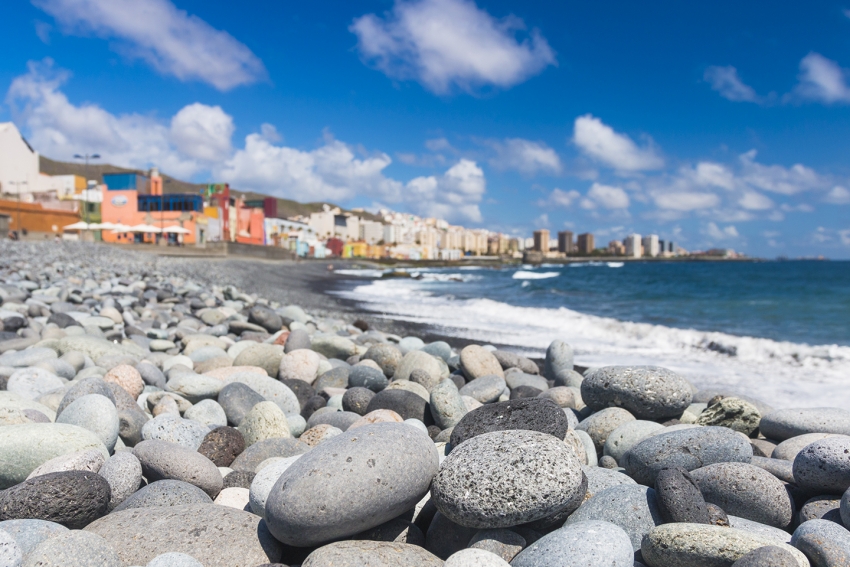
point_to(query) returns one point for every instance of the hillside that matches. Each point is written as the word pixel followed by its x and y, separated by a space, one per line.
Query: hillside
pixel 286 208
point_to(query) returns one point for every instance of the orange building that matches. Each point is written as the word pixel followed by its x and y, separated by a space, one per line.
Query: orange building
pixel 250 225
pixel 37 219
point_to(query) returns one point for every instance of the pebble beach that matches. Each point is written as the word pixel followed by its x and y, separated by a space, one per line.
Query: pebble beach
pixel 166 412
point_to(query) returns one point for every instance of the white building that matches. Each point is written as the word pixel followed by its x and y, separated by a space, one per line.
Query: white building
pixel 322 223
pixel 633 246
pixel 391 234
pixel 650 245
pixel 347 227
pixel 19 168
pixel 371 232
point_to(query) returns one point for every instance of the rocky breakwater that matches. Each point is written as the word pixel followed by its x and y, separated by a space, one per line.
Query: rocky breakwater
pixel 155 416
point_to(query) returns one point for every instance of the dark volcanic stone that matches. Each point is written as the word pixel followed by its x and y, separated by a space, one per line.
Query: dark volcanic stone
pixel 222 445
pixel 62 320
pixel 165 493
pixel 367 377
pixel 534 414
pixel 445 537
pixel 237 399
pixel 407 404
pixel 525 392
pixel 717 516
pixel 768 556
pixel 265 449
pixel 357 400
pixel 71 498
pixel 314 403
pixel 265 318
pixel 302 390
pixel 239 479
pixel 679 498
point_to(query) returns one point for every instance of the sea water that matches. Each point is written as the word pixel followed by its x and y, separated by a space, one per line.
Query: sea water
pixel 776 330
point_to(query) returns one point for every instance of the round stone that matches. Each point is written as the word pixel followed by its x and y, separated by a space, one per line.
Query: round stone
pixel 786 423
pixel 24 447
pixel 299 365
pixel 77 548
pixel 767 556
pixel 747 491
pixel 71 498
pixel 123 472
pixel 95 413
pixel 386 356
pixel 165 493
pixel 696 545
pixel 790 448
pixel 407 404
pixel 734 413
pixel 648 392
pixel 222 445
pixel 11 554
pixel 333 346
pixel 533 414
pixel 598 479
pixel 162 460
pixel 29 533
pixel 83 387
pixel 630 506
pixel 561 395
pixel 262 355
pixel 173 559
pixel 235 497
pixel 627 436
pixel 195 387
pixel 269 388
pixel 679 498
pixel 601 424
pixel 266 318
pixel 89 460
pixel 174 429
pixel 128 378
pixel 424 379
pixel 365 477
pixel 477 361
pixel 251 457
pixel 823 467
pixel 33 382
pixel 264 481
pixel 141 534
pixel 501 542
pixel 558 363
pixel 687 448
pixel 208 412
pixel 321 433
pixel 475 558
pixel 237 400
pixel 265 421
pixel 826 543
pixel 447 407
pixel 485 389
pixel 418 360
pixel 366 377
pixel 357 400
pixel 519 476
pixel 820 508
pixel 298 339
pixel 582 544
pixel 371 553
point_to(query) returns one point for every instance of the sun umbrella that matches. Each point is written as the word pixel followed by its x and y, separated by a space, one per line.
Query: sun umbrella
pixel 176 230
pixel 146 228
pixel 103 226
pixel 77 226
pixel 121 228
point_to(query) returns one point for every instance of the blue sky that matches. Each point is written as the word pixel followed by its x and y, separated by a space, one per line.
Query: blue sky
pixel 721 124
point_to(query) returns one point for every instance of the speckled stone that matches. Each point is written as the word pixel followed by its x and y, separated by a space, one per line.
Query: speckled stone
pixel 821 508
pixel 501 542
pixel 357 400
pixel 248 460
pixel 520 476
pixel 824 466
pixel 475 558
pixel 265 421
pixel 33 382
pixel 648 392
pixel 77 549
pixel 790 448
pixel 372 554
pixel 476 361
pixel 786 423
pixel 418 360
pixel 29 533
pixel 558 364
pixel 95 413
pixel 386 356
pixel 688 448
pixel 447 407
pixel 174 429
pixel 582 544
pixel 89 460
pixel 263 482
pixel 532 414
pixel 361 376
pixel 199 530
pixel 767 556
pixel 630 506
pixel 323 432
pixel 601 424
pixel 783 470
pixel 237 400
pixel 265 356
pixel 11 554
pixel 123 472
pixel 128 378
pixel 485 389
pixel 162 460
pixel 734 413
pixel 627 436
pixel 598 479
pixel 407 404
pixel 222 445
pixel 679 498
pixel 300 364
pixel 71 498
pixel 780 536
pixel 387 469
pixel 826 543
pixel 697 545
pixel 747 491
pixel 165 493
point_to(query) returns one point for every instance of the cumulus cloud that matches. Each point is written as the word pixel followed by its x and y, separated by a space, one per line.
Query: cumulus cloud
pixel 685 201
pixel 779 179
pixel 453 196
pixel 725 80
pixel 525 156
pixel 606 196
pixel 559 198
pixel 822 80
pixel 170 40
pixel 838 195
pixel 716 233
pixel 600 142
pixel 709 174
pixel 753 201
pixel 203 132
pixel 448 44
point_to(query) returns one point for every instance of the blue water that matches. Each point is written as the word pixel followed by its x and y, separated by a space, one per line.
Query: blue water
pixel 801 302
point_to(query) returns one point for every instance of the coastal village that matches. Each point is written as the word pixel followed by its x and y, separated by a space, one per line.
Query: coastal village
pixel 149 208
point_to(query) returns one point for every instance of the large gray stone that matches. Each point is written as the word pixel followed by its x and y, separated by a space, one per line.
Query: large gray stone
pixel 790 448
pixel 271 389
pixel 687 448
pixel 598 479
pixel 601 424
pixel 767 556
pixel 217 536
pixel 33 382
pixel 476 361
pixel 264 481
pixel 362 478
pixel 386 356
pixel 648 392
pixel 630 506
pixel 11 554
pixel 174 429
pixel 485 389
pixel 84 387
pixel 582 544
pixel 786 423
pixel 29 533
pixel 97 414
pixel 165 493
pixel 627 436
pixel 418 360
pixel 824 466
pixel 163 460
pixel 89 460
pixel 825 543
pixel 123 472
pixel 371 554
pixel 248 460
pixel 532 414
pixel 207 412
pixel 237 400
pixel 71 498
pixel 506 478
pixel 74 549
pixel 27 357
pixel 558 365
pixel 447 407
pixel 195 387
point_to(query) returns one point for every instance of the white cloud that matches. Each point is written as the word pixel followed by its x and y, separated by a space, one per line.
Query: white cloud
pixel 602 143
pixel 717 233
pixel 708 174
pixel 170 40
pixel 559 198
pixel 725 80
pixel 838 195
pixel 453 196
pixel 445 44
pixel 203 132
pixel 685 201
pixel 753 201
pixel 844 235
pixel 822 80
pixel 439 145
pixel 778 179
pixel 606 196
pixel 525 156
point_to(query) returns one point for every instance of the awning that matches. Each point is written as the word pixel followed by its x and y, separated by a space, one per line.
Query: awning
pixel 78 226
pixel 176 230
pixel 145 228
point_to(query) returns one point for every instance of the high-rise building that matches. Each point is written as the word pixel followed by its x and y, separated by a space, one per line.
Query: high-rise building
pixel 541 240
pixel 662 246
pixel 585 243
pixel 391 234
pixel 671 246
pixel 616 248
pixel 371 232
pixel 650 245
pixel 633 246
pixel 565 242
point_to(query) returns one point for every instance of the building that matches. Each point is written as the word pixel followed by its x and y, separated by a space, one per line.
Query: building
pixel 371 232
pixel 19 166
pixel 392 234
pixel 323 223
pixel 565 242
pixel 586 244
pixel 616 248
pixel 671 247
pixel 541 240
pixel 634 248
pixel 651 245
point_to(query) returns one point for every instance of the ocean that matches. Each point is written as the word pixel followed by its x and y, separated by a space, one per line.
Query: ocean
pixel 776 330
